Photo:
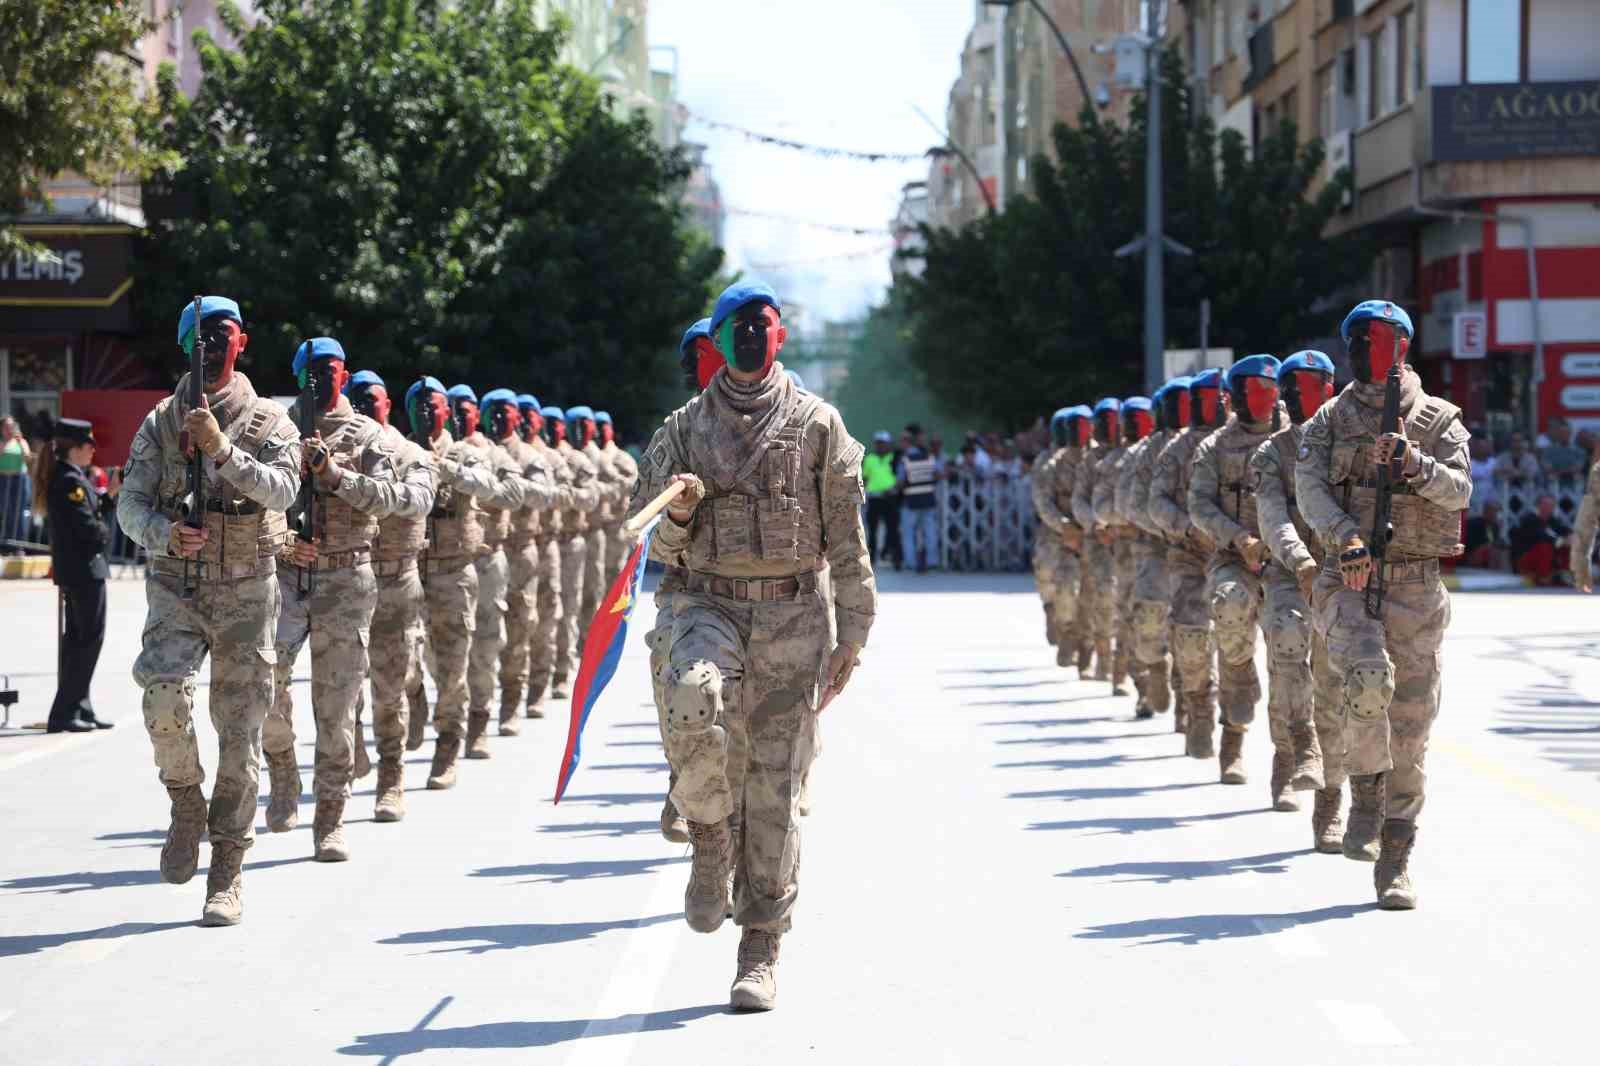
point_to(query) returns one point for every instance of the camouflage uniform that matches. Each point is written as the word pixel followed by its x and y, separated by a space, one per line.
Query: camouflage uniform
pixel 1312 694
pixel 1108 474
pixel 531 563
pixel 1583 531
pixel 1193 658
pixel 1388 668
pixel 1152 666
pixel 232 613
pixel 627 471
pixel 584 480
pixel 1052 498
pixel 749 628
pixel 1046 543
pixel 395 666
pixel 1097 594
pixel 606 516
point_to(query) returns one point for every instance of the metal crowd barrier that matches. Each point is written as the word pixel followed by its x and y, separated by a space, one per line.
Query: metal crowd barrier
pixel 22 532
pixel 986 523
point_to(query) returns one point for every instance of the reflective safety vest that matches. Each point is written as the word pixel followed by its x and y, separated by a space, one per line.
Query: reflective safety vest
pixel 878 470
pixel 920 474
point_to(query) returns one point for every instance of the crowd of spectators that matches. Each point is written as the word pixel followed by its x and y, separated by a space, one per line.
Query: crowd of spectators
pixel 1524 499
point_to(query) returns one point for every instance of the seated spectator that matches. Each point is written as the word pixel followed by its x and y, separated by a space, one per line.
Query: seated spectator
pixel 1541 542
pixel 1486 544
pixel 1564 464
pixel 1516 467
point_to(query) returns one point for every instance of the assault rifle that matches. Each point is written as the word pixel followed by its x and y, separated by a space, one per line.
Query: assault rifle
pixel 195 508
pixel 306 423
pixel 1387 475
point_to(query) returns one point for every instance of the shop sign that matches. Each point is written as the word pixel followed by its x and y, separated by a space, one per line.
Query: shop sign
pixel 1581 365
pixel 1515 120
pixel 1469 335
pixel 82 266
pixel 1581 397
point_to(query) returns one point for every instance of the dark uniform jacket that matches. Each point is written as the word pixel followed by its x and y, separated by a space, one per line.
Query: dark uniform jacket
pixel 78 536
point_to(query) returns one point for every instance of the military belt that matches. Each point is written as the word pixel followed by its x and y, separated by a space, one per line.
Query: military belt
pixel 332 560
pixel 1404 571
pixel 752 589
pixel 212 572
pixel 1397 486
pixel 673 579
pixel 393 567
pixel 448 564
pixel 243 507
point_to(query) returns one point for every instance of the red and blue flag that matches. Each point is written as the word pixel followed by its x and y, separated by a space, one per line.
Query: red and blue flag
pixel 602 650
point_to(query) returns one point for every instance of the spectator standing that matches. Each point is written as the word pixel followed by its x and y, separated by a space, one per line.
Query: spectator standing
pixel 919 509
pixel 1540 543
pixel 877 470
pixel 1483 483
pixel 1516 470
pixel 1564 464
pixel 15 459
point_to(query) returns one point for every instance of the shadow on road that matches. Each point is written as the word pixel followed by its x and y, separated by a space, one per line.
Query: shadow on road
pixel 1056 741
pixel 1101 763
pixel 523 1034
pixel 615 799
pixel 557 873
pixel 88 881
pixel 1109 792
pixel 478 939
pixel 1009 684
pixel 1050 723
pixel 1140 825
pixel 637 725
pixel 651 767
pixel 1199 928
pixel 1046 702
pixel 1164 873
pixel 602 829
pixel 35 942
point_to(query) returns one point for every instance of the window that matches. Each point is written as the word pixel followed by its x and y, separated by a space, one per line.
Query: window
pixel 1289 109
pixel 1326 85
pixel 1378 74
pixel 1219 16
pixel 1404 84
pixel 1022 169
pixel 1494 40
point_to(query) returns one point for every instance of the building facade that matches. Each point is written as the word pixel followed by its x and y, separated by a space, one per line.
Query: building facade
pixel 908 260
pixel 1472 132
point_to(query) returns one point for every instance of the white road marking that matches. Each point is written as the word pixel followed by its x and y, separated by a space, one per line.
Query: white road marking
pixel 1290 939
pixel 1362 1024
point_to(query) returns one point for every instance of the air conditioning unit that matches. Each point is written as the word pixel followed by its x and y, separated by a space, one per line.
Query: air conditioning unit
pixel 1339 153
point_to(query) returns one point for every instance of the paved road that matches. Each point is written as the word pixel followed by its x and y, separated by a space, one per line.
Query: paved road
pixel 1003 866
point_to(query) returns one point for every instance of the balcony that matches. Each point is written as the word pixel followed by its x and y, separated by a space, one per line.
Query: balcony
pixel 1385 148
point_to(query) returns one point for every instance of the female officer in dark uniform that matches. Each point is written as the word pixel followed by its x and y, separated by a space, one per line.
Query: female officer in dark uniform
pixel 78 542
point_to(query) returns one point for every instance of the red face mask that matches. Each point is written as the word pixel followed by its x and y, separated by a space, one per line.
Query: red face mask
pixel 1381 349
pixel 468 413
pixel 1183 409
pixel 1082 431
pixel 585 432
pixel 373 401
pixel 234 343
pixel 1210 401
pixel 331 377
pixel 434 415
pixel 707 360
pixel 508 418
pixel 1141 424
pixel 560 431
pixel 1312 389
pixel 1260 398
pixel 607 434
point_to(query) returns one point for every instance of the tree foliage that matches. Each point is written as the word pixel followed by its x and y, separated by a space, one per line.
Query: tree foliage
pixel 429 184
pixel 1027 310
pixel 69 97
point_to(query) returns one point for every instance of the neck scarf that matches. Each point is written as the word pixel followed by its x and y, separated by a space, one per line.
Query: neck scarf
pixel 739 422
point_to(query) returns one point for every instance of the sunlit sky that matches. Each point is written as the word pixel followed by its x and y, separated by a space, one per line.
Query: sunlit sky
pixel 836 73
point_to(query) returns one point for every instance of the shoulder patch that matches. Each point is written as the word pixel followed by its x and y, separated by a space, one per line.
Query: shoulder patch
pixel 1305 451
pixel 76 495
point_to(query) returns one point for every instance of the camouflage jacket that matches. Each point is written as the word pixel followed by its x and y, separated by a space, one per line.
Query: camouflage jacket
pixel 1277 513
pixel 1220 500
pixel 1583 530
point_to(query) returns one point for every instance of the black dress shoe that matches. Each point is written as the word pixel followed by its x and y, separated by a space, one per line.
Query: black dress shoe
pixel 88 719
pixel 72 726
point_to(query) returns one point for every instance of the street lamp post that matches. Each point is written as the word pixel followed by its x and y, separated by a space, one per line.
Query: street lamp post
pixel 1061 39
pixel 950 147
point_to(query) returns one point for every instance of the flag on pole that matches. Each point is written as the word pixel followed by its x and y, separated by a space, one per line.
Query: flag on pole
pixel 602 649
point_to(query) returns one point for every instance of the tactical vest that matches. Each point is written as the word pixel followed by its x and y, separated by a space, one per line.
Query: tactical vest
pixel 782 525
pixel 526 522
pixel 920 474
pixel 340 526
pixel 496 520
pixel 574 522
pixel 603 514
pixel 1233 448
pixel 455 525
pixel 401 536
pixel 1286 443
pixel 1422 528
pixel 240 532
pixel 1188 443
pixel 1066 471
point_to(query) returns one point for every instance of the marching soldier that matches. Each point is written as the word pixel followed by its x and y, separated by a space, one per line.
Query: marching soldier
pixel 1584 526
pixel 773 487
pixel 584 481
pixel 212 589
pixel 628 474
pixel 1299 652
pixel 525 666
pixel 1114 499
pixel 1222 504
pixel 1384 618
pixel 1098 588
pixel 607 513
pixel 1047 541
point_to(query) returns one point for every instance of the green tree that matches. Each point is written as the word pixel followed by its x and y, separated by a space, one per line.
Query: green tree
pixel 429 184
pixel 69 98
pixel 1023 312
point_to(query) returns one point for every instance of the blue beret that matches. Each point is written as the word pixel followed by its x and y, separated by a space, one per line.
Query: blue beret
pixel 701 328
pixel 210 307
pixel 602 418
pixel 317 348
pixel 1062 414
pixel 364 377
pixel 499 396
pixel 1309 359
pixel 1078 411
pixel 551 411
pixel 739 294
pixel 1136 403
pixel 424 382
pixel 462 392
pixel 527 399
pixel 794 376
pixel 1383 309
pixel 1176 383
pixel 581 411
pixel 1108 404
pixel 1254 366
pixel 1206 379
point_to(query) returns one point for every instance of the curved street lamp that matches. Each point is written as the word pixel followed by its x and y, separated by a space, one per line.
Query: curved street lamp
pixel 1061 39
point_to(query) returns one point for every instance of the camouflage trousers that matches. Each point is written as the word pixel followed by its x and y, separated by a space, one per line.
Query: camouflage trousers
pixel 336 618
pixel 1066 582
pixel 449 612
pixel 617 549
pixel 1097 596
pixel 595 578
pixel 532 608
pixel 1152 666
pixel 740 699
pixel 564 657
pixel 233 621
pixel 1388 674
pixel 488 631
pixel 1193 649
pixel 1046 560
pixel 1123 569
pixel 1235 596
pixel 395 667
pixel 1291 644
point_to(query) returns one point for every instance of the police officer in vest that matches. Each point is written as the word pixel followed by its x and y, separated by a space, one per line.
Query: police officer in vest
pixel 919 508
pixel 877 470
pixel 78 542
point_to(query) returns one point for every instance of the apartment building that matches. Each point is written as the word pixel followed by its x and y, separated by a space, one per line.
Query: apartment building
pixel 1472 131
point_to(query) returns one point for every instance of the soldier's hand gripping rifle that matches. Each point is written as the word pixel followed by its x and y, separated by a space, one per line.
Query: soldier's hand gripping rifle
pixel 1386 476
pixel 195 506
pixel 306 423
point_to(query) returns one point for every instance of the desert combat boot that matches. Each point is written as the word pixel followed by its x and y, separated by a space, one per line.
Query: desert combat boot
pixel 755 983
pixel 283 806
pixel 327 832
pixel 390 806
pixel 673 826
pixel 181 853
pixel 706 899
pixel 1366 817
pixel 1390 876
pixel 224 887
pixel 477 735
pixel 1283 797
pixel 1327 826
pixel 1307 759
pixel 443 772
pixel 1230 756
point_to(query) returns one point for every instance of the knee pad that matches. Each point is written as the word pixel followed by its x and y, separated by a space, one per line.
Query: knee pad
pixel 1191 649
pixel 1231 604
pixel 694 698
pixel 1150 618
pixel 1290 638
pixel 1368 688
pixel 169 706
